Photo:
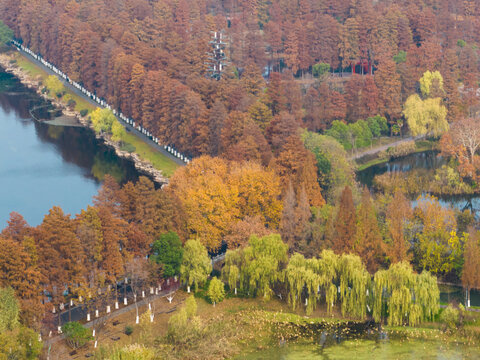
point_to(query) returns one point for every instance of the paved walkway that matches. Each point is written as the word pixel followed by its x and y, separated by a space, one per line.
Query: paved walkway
pixel 378 149
pixel 123 310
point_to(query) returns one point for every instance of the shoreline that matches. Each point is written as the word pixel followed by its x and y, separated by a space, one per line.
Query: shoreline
pixel 142 166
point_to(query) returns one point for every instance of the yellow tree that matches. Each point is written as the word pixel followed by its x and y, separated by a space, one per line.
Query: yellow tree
pixel 431 84
pixel 425 117
pixel 209 203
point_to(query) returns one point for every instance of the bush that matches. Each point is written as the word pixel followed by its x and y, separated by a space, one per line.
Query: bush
pixel 402 149
pixel 76 335
pixel 71 103
pixel 450 317
pixel 83 112
pixel 128 330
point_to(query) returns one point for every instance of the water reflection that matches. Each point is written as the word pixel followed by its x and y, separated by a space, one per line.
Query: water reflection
pixel 422 160
pixel 42 165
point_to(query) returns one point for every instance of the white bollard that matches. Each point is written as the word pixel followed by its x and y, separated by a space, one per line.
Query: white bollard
pixel 156 291
pixel 468 303
pixel 59 329
pixel 96 313
pixel 88 317
pixel 188 289
pixel 151 291
pixel 306 301
pixel 235 291
pixel 53 311
pixel 149 306
pixel 124 301
pixel 151 317
pixel 108 309
pixel 137 319
pixel 116 305
pixel 95 344
pixel 93 333
pixel 143 294
pixel 50 334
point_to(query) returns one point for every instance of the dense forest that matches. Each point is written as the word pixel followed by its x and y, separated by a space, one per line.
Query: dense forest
pixel 306 82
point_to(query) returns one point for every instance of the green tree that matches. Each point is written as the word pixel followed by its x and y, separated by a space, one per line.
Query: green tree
pixel 118 131
pixel 335 170
pixel 264 260
pixel 231 270
pixel 425 117
pixel 6 34
pixel 339 131
pixel 168 252
pixel 9 310
pixel 102 120
pixel 320 69
pixel 54 85
pixel 405 297
pixel 216 290
pixel 196 264
pixel 76 334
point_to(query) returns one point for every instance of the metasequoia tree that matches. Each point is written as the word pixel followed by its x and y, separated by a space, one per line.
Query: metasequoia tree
pixel 345 223
pixel 368 240
pixel 471 264
pixel 399 213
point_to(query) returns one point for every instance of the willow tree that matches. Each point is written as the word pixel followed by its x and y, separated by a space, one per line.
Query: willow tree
pixel 196 264
pixel 354 282
pixel 264 262
pixel 326 268
pixel 301 278
pixel 431 84
pixel 425 117
pixel 231 270
pixel 404 295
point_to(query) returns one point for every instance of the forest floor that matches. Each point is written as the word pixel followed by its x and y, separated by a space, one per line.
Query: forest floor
pixel 144 148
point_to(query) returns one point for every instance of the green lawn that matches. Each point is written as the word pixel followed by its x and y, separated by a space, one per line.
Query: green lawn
pixel 145 151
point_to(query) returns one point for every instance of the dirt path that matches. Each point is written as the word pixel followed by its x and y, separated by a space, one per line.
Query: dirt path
pixel 378 149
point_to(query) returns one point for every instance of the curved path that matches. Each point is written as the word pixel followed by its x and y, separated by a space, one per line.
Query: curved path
pixel 380 148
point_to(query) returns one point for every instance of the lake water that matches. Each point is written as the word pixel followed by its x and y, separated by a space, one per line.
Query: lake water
pixel 360 349
pixel 428 160
pixel 41 165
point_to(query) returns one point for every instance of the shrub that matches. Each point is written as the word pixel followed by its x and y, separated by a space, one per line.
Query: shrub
pixel 71 103
pixel 128 330
pixel 450 317
pixel 83 112
pixel 402 149
pixel 76 335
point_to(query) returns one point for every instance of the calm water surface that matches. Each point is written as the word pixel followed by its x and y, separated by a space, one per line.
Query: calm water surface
pixel 41 165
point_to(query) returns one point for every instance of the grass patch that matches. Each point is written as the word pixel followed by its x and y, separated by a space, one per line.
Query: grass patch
pixel 147 152
pixel 32 69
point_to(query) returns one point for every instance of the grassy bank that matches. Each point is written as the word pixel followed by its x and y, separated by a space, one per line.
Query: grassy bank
pixel 239 326
pixel 382 157
pixel 144 150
